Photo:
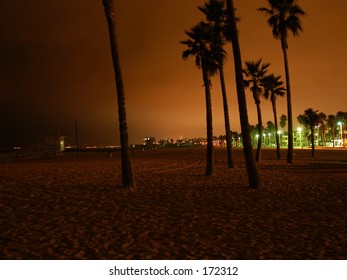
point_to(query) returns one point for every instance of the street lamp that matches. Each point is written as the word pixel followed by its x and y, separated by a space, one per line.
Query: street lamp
pixel 340 124
pixel 317 126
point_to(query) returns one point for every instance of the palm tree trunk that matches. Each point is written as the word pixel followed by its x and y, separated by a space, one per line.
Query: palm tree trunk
pixel 260 130
pixel 252 169
pixel 289 100
pixel 343 135
pixel 210 158
pixel 278 149
pixel 127 175
pixel 231 163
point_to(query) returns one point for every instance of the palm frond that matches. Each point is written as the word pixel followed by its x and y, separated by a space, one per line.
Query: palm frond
pixel 284 16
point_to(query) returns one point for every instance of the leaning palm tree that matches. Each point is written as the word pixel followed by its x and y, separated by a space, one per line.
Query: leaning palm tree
pixel 284 16
pixel 273 87
pixel 254 73
pixel 215 13
pixel 127 175
pixel 198 45
pixel 252 169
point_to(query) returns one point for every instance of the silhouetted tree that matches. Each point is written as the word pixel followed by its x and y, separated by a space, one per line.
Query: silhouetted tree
pixel 199 46
pixel 254 73
pixel 283 121
pixel 310 119
pixel 215 13
pixel 252 169
pixel 127 175
pixel 284 16
pixel 322 123
pixel 331 122
pixel 273 87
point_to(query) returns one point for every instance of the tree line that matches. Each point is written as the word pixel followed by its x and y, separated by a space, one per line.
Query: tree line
pixel 324 125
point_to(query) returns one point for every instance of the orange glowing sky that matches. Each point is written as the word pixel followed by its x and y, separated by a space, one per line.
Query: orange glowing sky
pixel 56 68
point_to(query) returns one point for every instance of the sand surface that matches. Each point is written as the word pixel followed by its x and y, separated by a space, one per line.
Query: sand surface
pixel 74 208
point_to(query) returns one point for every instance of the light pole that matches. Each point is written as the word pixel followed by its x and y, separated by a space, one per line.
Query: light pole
pixel 317 126
pixel 341 140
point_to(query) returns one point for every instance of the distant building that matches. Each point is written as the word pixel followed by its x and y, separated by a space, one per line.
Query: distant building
pixel 149 142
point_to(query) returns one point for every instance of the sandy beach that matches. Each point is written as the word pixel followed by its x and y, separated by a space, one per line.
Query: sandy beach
pixel 74 208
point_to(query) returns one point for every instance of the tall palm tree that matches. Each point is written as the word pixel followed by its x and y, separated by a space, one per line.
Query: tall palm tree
pixel 310 119
pixel 198 45
pixel 273 87
pixel 254 73
pixel 215 12
pixel 284 16
pixel 127 175
pixel 254 178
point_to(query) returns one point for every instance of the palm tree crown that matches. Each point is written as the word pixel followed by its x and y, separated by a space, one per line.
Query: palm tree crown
pixel 284 16
pixel 199 45
pixel 216 14
pixel 273 87
pixel 254 73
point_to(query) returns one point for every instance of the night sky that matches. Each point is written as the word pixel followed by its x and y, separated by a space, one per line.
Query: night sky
pixel 56 68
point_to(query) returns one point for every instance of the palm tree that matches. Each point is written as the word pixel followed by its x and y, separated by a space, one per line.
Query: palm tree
pixel 283 121
pixel 322 124
pixel 273 87
pixel 252 169
pixel 254 73
pixel 310 119
pixel 331 123
pixel 269 131
pixel 284 16
pixel 215 13
pixel 127 175
pixel 199 46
